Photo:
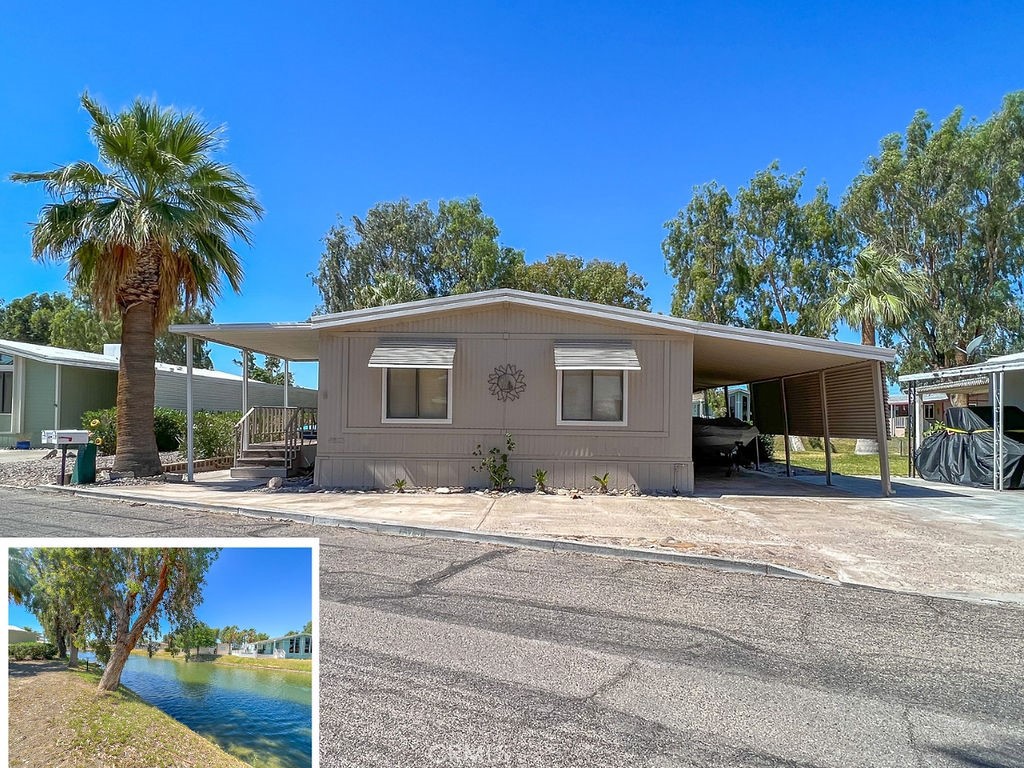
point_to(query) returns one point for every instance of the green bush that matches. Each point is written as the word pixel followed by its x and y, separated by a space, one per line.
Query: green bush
pixel 38 651
pixel 214 432
pixel 767 447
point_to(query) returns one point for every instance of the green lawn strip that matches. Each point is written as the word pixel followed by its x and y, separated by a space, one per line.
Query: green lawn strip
pixel 291 665
pixel 844 460
pixel 119 730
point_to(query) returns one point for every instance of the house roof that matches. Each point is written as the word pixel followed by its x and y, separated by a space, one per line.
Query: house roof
pixel 60 356
pixel 722 354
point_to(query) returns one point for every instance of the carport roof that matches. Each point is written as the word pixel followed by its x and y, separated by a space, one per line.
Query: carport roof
pixel 722 354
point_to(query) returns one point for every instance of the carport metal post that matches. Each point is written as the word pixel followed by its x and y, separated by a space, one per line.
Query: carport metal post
pixel 285 383
pixel 189 418
pixel 245 398
pixel 882 432
pixel 785 425
pixel 911 427
pixel 824 426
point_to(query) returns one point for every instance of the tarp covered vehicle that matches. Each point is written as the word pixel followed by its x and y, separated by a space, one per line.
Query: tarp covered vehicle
pixel 961 452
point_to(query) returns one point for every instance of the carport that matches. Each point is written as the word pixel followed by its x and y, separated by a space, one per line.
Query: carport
pixel 800 386
pixel 1002 378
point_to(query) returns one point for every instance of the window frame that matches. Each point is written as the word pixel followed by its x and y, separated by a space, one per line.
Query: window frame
pixel 7 369
pixel 559 421
pixel 385 419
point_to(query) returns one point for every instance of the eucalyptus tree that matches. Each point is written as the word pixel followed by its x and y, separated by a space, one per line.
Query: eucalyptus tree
pixel 148 228
pixel 700 253
pixel 948 200
pixel 763 259
pixel 596 280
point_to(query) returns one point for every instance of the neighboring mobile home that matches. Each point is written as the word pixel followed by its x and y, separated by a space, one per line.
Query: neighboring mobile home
pixel 407 392
pixel 298 646
pixel 50 388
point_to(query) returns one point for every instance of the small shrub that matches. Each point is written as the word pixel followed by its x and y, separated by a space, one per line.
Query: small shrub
pixel 540 480
pixel 602 482
pixel 37 651
pixel 213 435
pixel 399 485
pixel 103 425
pixel 767 446
pixel 495 464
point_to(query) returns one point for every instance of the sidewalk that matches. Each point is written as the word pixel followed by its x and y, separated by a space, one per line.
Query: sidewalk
pixel 947 541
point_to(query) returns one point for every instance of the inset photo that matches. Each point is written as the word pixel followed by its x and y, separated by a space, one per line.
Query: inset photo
pixel 187 653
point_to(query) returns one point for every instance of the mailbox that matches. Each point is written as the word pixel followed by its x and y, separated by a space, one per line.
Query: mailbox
pixel 60 437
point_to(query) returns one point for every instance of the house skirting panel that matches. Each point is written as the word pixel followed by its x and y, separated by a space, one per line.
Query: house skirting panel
pixel 377 473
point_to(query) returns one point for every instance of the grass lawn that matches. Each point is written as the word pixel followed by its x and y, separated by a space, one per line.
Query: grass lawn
pixel 295 665
pixel 844 460
pixel 57 717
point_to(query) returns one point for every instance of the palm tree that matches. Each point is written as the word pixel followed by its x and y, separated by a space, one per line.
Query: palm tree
pixel 146 230
pixel 877 292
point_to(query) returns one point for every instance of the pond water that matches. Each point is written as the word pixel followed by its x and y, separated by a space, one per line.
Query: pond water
pixel 262 716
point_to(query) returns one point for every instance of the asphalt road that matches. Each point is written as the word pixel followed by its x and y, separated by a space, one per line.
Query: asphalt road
pixel 437 653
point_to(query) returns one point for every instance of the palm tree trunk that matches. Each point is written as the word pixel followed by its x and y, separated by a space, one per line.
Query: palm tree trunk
pixel 136 378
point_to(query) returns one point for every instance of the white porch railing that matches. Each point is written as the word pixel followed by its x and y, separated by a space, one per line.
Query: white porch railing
pixel 276 427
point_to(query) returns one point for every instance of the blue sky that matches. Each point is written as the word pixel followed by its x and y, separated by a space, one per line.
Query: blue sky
pixel 267 588
pixel 582 126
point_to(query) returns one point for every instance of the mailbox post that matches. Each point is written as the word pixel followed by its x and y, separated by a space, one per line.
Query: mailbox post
pixel 64 439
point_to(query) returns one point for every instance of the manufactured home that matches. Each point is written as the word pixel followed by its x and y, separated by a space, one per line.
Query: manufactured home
pixel 297 646
pixel 408 391
pixel 45 387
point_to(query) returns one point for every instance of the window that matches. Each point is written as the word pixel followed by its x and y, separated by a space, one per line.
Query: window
pixel 307 645
pixel 417 393
pixel 594 395
pixel 6 391
pixel 929 410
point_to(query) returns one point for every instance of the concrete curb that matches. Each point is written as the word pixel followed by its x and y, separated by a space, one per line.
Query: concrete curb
pixel 457 534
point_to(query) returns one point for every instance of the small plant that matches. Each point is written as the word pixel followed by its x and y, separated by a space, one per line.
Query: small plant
pixel 495 464
pixel 399 485
pixel 602 482
pixel 540 479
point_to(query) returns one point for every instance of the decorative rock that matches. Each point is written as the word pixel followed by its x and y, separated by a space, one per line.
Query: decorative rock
pixel 442 489
pixel 274 483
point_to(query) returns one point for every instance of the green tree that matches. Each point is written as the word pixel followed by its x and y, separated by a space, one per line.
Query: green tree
pixel 196 635
pixel 947 201
pixel 170 347
pixel 147 229
pixel 28 318
pixel 307 628
pixel 603 282
pixel 117 594
pixel 271 372
pixel 700 253
pixel 77 326
pixel 763 259
pixel 788 250
pixel 403 252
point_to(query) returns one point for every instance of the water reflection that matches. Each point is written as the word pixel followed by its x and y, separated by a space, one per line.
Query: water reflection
pixel 261 716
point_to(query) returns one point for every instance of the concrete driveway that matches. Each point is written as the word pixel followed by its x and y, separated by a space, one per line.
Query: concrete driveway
pixel 957 542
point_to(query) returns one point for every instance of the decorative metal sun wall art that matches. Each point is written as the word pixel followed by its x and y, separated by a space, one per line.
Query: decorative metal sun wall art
pixel 507 382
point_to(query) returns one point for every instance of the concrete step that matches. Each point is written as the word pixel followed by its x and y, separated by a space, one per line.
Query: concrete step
pixel 260 461
pixel 256 473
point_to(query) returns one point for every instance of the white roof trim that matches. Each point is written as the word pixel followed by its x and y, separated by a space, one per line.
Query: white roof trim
pixel 591 310
pixel 413 353
pixel 78 359
pixel 595 355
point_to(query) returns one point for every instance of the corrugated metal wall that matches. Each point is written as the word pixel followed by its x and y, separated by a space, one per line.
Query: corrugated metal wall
pixel 214 394
pixel 850 402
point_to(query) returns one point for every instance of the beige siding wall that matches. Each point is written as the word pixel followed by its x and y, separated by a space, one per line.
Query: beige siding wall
pixel 652 451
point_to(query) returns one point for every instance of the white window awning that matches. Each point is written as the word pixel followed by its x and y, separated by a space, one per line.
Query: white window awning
pixel 411 353
pixel 595 355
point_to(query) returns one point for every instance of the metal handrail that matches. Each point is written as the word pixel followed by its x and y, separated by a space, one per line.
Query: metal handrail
pixel 292 426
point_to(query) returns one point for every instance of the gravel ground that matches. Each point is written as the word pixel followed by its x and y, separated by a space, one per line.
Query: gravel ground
pixel 27 474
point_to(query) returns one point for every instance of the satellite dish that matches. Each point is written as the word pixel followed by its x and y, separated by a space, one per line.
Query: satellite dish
pixel 973 347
